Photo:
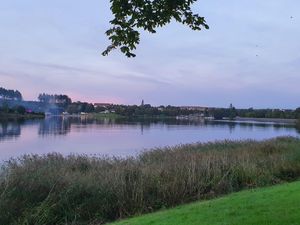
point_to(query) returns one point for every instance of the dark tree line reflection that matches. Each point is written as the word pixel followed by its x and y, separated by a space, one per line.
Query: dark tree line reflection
pixel 54 126
pixel 9 130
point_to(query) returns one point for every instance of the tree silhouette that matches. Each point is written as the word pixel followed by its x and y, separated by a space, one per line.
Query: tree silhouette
pixel 148 15
pixel 10 94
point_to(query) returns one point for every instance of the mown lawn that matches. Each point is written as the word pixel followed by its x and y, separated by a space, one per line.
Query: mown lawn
pixel 278 205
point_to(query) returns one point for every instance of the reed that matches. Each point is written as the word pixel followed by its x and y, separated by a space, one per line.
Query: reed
pixel 81 190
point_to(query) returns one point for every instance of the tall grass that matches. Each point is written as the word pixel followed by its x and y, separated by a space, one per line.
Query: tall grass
pixel 53 189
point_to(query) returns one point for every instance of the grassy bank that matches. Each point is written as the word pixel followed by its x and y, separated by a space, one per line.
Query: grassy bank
pixel 53 189
pixel 272 206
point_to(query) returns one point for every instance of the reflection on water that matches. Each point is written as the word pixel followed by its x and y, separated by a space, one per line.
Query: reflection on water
pixel 9 130
pixel 122 137
pixel 62 125
pixel 54 126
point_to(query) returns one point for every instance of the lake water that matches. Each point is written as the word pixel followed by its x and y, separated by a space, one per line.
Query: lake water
pixel 120 137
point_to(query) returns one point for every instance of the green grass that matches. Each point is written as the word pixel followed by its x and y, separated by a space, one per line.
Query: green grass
pixel 279 205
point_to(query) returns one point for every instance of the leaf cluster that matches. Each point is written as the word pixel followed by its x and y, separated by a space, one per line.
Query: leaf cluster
pixel 148 15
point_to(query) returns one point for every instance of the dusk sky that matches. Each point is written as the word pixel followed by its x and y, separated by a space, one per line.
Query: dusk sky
pixel 250 57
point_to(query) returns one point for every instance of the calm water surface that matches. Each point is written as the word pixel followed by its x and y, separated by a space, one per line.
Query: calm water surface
pixel 122 138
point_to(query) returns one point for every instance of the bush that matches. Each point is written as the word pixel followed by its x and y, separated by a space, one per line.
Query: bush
pixel 53 189
pixel 20 109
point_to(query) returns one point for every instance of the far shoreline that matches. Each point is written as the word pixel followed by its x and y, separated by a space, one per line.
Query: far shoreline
pixel 28 116
pixel 266 120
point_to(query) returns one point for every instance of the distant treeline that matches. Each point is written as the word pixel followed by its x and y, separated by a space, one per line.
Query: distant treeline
pixel 15 109
pixel 10 94
pixel 64 103
pixel 129 110
pixel 60 100
pixel 148 110
pixel 18 112
pixel 231 113
pixel 59 103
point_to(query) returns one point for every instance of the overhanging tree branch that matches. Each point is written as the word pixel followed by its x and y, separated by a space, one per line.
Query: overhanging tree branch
pixel 131 15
